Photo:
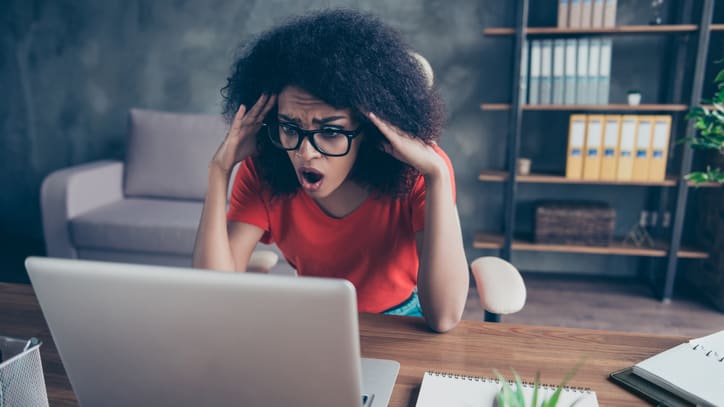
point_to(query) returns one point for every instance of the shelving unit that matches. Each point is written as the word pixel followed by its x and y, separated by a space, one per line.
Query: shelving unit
pixel 668 248
pixel 607 108
pixel 631 29
pixel 660 249
pixel 502 176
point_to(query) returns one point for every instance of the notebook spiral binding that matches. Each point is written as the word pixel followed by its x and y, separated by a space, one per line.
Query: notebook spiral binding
pixel 582 390
pixel 709 353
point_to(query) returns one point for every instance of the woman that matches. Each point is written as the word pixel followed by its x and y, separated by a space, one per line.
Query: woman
pixel 336 129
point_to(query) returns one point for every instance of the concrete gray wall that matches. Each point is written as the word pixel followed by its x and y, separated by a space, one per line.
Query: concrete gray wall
pixel 71 69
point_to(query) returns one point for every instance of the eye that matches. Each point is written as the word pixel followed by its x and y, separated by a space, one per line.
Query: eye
pixel 288 129
pixel 330 133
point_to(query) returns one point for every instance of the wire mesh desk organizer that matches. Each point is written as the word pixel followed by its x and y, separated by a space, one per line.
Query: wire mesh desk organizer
pixel 21 373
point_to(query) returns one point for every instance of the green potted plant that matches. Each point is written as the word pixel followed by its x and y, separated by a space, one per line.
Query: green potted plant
pixel 510 397
pixel 709 121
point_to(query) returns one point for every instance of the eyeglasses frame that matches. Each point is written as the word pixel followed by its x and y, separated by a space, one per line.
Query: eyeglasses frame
pixel 309 134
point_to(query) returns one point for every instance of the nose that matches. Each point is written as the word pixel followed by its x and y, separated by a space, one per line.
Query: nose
pixel 306 150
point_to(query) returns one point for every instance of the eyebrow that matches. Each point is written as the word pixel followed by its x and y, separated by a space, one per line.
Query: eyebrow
pixel 324 120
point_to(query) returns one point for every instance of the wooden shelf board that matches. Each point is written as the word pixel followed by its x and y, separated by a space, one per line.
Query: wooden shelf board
pixel 492 241
pixel 716 27
pixel 495 106
pixel 611 107
pixel 493 176
pixel 704 185
pixel 499 31
pixel 501 176
pixel 626 29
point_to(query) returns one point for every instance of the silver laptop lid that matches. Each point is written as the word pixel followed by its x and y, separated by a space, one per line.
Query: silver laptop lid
pixel 151 335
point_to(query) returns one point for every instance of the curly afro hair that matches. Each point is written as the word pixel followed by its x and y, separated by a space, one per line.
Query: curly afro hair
pixel 349 60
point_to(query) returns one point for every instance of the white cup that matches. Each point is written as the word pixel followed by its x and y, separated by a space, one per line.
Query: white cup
pixel 634 99
pixel 523 166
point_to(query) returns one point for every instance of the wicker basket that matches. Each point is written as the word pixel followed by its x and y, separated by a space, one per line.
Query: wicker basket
pixel 574 222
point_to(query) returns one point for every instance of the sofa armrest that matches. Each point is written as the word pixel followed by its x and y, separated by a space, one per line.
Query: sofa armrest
pixel 69 192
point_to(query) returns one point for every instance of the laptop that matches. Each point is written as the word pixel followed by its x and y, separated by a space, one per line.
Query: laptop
pixel 131 335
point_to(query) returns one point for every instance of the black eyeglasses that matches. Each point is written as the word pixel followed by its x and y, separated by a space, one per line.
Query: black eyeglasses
pixel 329 141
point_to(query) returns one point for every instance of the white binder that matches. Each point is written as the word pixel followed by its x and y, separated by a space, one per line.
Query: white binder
pixel 523 86
pixel 604 76
pixel 546 76
pixel 609 13
pixel 586 13
pixel 582 72
pixel 574 14
pixel 598 6
pixel 569 86
pixel 594 67
pixel 559 48
pixel 535 66
pixel 562 13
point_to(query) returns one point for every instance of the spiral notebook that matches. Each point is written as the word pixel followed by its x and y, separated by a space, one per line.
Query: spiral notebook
pixel 443 389
pixel 693 370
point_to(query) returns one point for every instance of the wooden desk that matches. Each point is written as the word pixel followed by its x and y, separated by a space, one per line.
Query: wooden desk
pixel 473 348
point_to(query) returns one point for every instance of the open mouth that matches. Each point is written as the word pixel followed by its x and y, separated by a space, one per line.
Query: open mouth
pixel 310 178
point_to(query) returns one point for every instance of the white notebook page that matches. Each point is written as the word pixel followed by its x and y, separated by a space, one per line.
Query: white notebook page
pixel 693 370
pixel 460 391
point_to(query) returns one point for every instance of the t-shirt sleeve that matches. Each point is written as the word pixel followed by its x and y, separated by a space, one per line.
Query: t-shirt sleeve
pixel 247 203
pixel 417 195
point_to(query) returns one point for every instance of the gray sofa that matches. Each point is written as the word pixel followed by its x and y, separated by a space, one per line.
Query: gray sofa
pixel 145 209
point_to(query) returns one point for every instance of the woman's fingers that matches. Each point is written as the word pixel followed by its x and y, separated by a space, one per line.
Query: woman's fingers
pixel 385 128
pixel 255 115
pixel 258 111
pixel 392 133
pixel 238 117
pixel 270 102
pixel 405 147
pixel 394 138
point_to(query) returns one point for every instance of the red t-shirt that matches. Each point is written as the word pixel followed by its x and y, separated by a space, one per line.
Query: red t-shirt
pixel 372 247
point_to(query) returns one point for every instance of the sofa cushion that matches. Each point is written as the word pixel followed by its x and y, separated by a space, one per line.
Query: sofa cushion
pixel 168 153
pixel 139 225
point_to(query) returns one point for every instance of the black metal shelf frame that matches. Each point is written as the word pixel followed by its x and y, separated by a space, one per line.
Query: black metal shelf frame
pixel 660 196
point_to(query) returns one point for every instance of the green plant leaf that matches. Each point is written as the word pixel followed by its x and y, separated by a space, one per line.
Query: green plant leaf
pixel 553 400
pixel 536 387
pixel 520 399
pixel 719 76
pixel 506 397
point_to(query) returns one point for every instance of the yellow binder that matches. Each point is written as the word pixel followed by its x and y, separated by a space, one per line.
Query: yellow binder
pixel 626 144
pixel 576 140
pixel 611 131
pixel 594 140
pixel 642 154
pixel 660 148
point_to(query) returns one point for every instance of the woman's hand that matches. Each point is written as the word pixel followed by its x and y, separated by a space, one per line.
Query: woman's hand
pixel 408 149
pixel 240 141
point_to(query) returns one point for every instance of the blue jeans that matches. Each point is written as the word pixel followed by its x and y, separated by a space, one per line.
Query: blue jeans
pixel 410 307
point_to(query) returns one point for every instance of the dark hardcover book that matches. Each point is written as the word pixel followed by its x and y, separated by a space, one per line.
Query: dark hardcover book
pixel 647 390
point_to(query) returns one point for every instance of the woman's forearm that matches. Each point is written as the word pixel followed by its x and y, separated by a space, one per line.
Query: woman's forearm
pixel 212 249
pixel 443 280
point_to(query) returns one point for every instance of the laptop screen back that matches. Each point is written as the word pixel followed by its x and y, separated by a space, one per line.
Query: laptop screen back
pixel 150 335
